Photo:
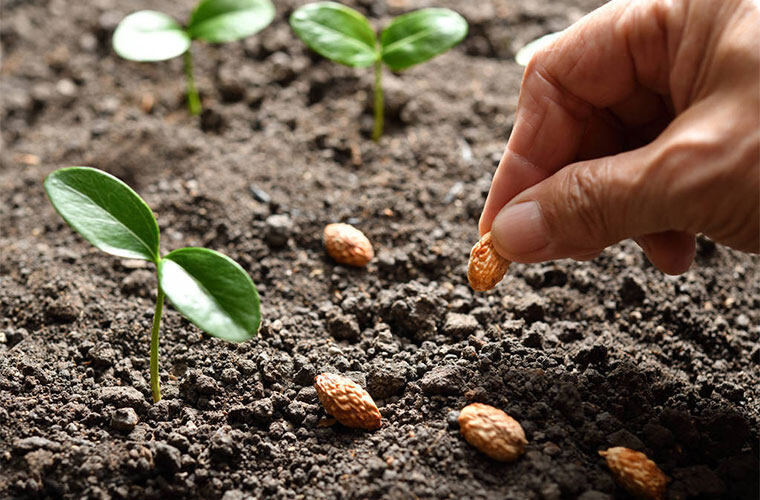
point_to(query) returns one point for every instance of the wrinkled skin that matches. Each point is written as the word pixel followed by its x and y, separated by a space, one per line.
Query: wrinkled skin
pixel 642 121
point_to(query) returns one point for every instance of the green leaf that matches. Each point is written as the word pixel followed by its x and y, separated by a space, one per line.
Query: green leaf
pixel 525 54
pixel 219 21
pixel 105 211
pixel 148 35
pixel 212 291
pixel 336 32
pixel 420 35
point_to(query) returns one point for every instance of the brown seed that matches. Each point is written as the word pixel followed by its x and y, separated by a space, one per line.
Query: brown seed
pixel 492 431
pixel 636 473
pixel 347 245
pixel 486 267
pixel 347 401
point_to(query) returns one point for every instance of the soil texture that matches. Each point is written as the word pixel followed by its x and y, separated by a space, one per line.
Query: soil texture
pixel 584 355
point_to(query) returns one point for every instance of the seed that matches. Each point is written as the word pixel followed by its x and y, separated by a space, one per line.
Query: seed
pixel 636 473
pixel 492 431
pixel 347 245
pixel 486 267
pixel 347 401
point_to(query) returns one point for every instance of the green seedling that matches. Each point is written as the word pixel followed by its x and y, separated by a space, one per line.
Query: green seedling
pixel 345 36
pixel 207 287
pixel 148 35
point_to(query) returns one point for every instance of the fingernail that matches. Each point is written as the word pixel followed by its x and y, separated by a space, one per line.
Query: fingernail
pixel 520 229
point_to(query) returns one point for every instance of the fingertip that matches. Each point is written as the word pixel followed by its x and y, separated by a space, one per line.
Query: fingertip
pixel 520 231
pixel 672 252
pixel 482 229
pixel 681 262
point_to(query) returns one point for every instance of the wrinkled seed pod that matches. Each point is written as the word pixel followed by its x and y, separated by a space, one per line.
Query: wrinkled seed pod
pixel 492 431
pixel 486 267
pixel 347 245
pixel 636 473
pixel 347 401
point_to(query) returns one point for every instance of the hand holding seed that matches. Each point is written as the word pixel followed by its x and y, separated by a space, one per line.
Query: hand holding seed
pixel 486 267
pixel 640 121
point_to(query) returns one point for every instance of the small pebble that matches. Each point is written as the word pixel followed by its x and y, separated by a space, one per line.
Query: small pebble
pixel 278 229
pixel 259 194
pixel 66 87
pixel 124 419
pixel 452 419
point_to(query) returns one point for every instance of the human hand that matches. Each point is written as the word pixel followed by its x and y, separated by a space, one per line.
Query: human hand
pixel 641 121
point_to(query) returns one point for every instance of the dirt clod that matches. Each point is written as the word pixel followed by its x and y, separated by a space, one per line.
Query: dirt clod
pixel 124 419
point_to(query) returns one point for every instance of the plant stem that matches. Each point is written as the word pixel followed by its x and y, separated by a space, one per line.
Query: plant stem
pixel 193 100
pixel 154 379
pixel 377 131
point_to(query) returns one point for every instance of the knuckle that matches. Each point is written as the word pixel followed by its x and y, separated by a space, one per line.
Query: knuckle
pixel 709 184
pixel 585 191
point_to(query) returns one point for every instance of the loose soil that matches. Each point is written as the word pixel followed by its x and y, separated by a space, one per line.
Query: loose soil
pixel 585 355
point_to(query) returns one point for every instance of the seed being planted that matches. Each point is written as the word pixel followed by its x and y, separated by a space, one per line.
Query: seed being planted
pixel 492 431
pixel 636 473
pixel 486 267
pixel 347 401
pixel 347 245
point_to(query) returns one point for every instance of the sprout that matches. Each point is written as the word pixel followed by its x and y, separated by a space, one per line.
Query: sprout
pixel 148 35
pixel 207 287
pixel 345 36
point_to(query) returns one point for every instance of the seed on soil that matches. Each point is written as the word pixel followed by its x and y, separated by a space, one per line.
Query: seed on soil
pixel 486 267
pixel 347 401
pixel 492 431
pixel 347 245
pixel 639 475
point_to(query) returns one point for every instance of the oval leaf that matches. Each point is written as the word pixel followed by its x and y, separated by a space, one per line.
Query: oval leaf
pixel 105 211
pixel 336 32
pixel 220 21
pixel 148 35
pixel 525 54
pixel 420 35
pixel 212 291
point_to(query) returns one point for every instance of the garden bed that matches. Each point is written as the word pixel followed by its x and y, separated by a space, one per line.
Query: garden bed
pixel 585 355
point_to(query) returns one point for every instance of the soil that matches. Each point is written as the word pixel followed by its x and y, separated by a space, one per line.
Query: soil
pixel 585 355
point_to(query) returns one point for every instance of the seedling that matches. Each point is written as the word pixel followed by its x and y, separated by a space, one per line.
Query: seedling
pixel 207 287
pixel 345 36
pixel 148 35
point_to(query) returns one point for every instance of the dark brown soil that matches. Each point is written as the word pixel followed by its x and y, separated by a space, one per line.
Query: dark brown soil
pixel 584 355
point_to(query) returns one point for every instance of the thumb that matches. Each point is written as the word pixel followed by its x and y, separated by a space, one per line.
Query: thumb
pixel 588 206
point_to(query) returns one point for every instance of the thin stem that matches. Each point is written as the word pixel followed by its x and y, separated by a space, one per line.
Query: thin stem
pixel 154 380
pixel 377 131
pixel 193 100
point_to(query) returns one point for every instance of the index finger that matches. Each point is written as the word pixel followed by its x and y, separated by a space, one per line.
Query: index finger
pixel 597 63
